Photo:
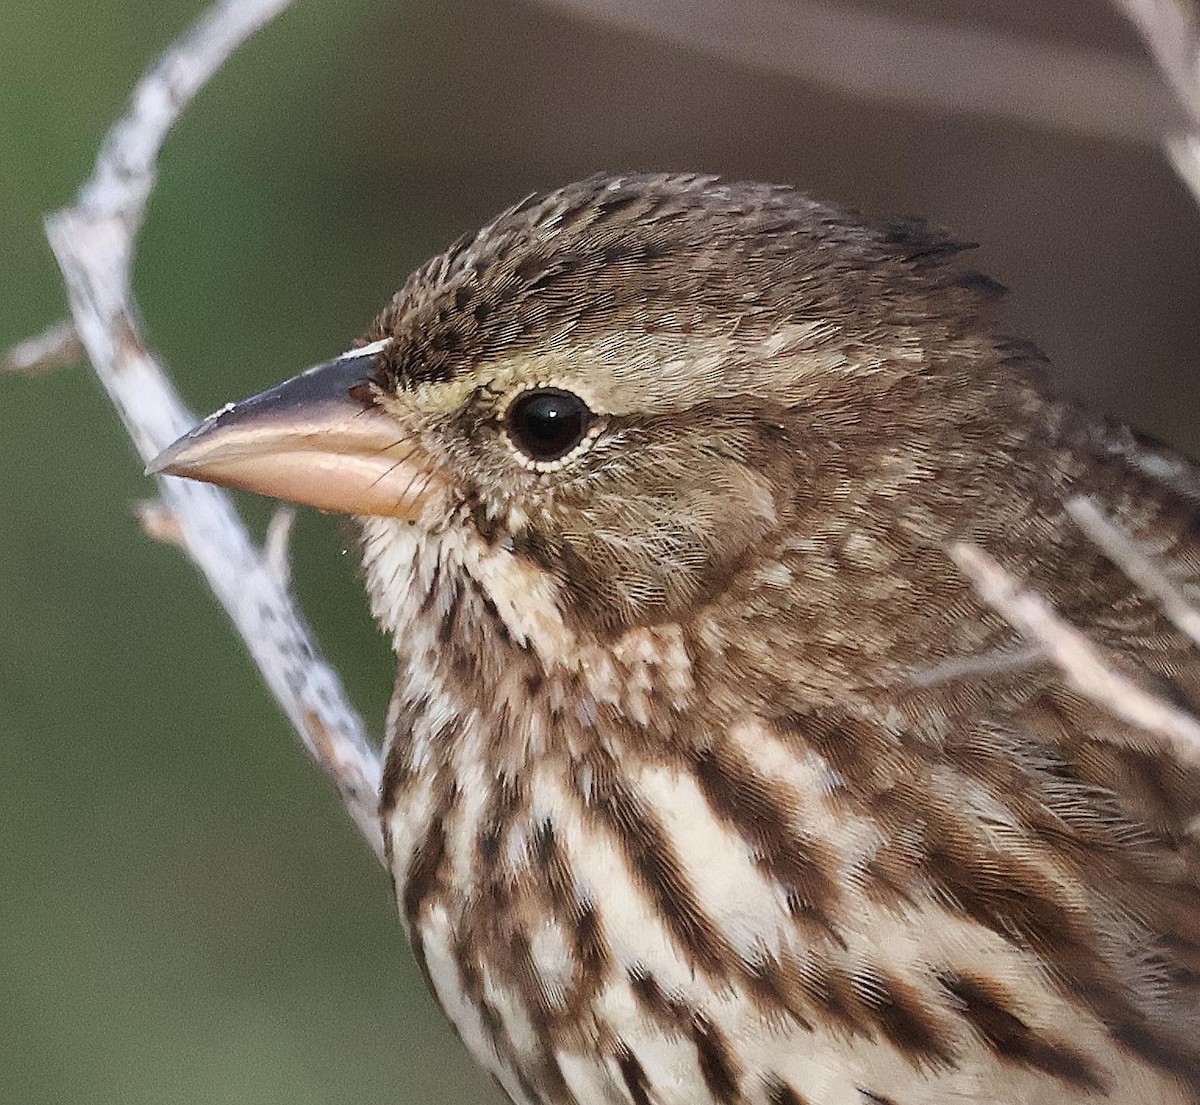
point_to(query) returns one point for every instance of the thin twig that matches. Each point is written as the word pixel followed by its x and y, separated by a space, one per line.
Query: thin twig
pixel 1171 32
pixel 1121 548
pixel 995 662
pixel 277 544
pixel 1076 657
pixel 58 346
pixel 1183 152
pixel 862 52
pixel 94 244
pixel 158 523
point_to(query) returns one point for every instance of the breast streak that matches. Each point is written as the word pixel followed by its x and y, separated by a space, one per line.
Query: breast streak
pixel 605 926
pixel 574 976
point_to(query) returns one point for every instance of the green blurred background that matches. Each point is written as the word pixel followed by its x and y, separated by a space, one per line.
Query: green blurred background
pixel 185 913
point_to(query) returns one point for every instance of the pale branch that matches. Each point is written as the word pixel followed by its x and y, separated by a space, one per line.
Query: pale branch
pixel 58 346
pixel 1183 151
pixel 1171 32
pixel 986 665
pixel 157 522
pixel 1138 565
pixel 1080 661
pixel 93 242
pixel 904 59
pixel 126 169
pixel 276 544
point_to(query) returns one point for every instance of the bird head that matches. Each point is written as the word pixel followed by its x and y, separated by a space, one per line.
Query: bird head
pixel 629 385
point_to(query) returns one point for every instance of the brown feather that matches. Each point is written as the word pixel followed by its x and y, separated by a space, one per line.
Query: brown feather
pixel 704 758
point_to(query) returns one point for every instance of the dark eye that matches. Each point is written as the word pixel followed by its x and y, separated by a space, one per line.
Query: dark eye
pixel 546 424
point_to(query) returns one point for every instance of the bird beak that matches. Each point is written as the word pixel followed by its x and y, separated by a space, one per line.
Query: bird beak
pixel 317 439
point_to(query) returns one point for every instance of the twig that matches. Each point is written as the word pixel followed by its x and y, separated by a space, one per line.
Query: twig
pixel 276 544
pixel 1183 152
pixel 1171 31
pixel 94 243
pixel 1172 34
pixel 1076 657
pixel 1165 468
pixel 1121 548
pixel 58 346
pixel 862 52
pixel 995 662
pixel 158 523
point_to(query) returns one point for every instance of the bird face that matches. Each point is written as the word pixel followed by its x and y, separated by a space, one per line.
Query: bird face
pixel 625 385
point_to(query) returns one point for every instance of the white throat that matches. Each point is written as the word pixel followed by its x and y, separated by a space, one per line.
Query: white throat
pixel 408 580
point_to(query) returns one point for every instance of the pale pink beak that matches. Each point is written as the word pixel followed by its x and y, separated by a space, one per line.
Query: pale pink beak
pixel 317 439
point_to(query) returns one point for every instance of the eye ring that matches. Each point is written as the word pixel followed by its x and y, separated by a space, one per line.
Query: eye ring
pixel 547 424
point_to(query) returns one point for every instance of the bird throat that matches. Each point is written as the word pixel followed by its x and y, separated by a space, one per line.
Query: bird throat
pixel 460 611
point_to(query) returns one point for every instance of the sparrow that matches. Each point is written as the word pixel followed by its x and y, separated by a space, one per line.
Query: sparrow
pixel 709 779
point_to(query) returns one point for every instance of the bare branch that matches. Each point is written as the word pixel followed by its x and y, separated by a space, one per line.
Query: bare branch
pixel 127 166
pixel 1121 548
pixel 924 63
pixel 58 346
pixel 94 244
pixel 1076 657
pixel 1171 31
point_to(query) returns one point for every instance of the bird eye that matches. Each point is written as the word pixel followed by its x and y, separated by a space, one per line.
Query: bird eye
pixel 546 423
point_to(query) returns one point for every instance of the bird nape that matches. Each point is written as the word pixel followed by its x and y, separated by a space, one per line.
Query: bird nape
pixel 655 476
